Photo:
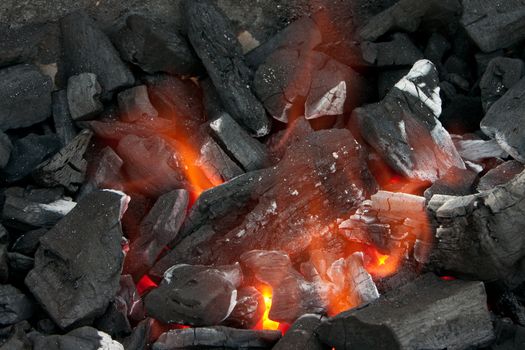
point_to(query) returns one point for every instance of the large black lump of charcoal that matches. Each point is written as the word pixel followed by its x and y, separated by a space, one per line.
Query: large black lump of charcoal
pixel 15 306
pixel 78 265
pixel 25 96
pixel 501 75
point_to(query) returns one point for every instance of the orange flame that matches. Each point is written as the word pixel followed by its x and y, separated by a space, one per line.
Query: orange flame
pixel 381 265
pixel 265 322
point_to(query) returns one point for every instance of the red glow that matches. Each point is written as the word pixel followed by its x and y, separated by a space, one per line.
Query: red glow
pixel 381 265
pixel 145 284
pixel 448 278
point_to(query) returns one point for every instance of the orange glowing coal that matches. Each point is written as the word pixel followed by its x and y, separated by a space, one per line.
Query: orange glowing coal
pixel 381 265
pixel 265 322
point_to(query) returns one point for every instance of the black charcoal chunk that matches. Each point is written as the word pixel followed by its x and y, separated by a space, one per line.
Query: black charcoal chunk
pixel 19 264
pixel 88 50
pixel 211 100
pixel 62 117
pixel 17 337
pixel 105 172
pixel 25 96
pixel 302 336
pixel 437 47
pixel 4 264
pixel 28 242
pixel 15 306
pixel 154 47
pixel 140 338
pixel 114 321
pixel 216 337
pixel 212 36
pixel 78 264
pixel 500 175
pixel 249 309
pixel 399 51
pixel 134 104
pixel 501 75
pixel 195 295
pixel 216 164
pixel 468 107
pixel 387 79
pixel 456 182
pixel 494 24
pixel 83 91
pixel 6 147
pixel 80 338
pixel 505 121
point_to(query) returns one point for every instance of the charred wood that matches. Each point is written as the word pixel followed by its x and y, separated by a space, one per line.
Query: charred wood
pixel 62 117
pixel 83 93
pixel 6 147
pixel 301 336
pixel 134 104
pixel 500 175
pixel 501 74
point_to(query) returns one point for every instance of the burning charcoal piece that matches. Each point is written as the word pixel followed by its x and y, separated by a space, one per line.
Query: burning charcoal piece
pixel 158 228
pixel 140 338
pixel 14 306
pixel 88 50
pixel 129 300
pixel 404 128
pixel 80 338
pixel 78 265
pixel 106 172
pixel 474 236
pixel 216 337
pixel 494 25
pixel 67 168
pixel 216 164
pixel 155 48
pixel 247 151
pixel 416 316
pixel 362 288
pixel 249 309
pixel 195 295
pixel 114 321
pixel 62 118
pixel 115 130
pixel 83 91
pixel 5 149
pixel 456 182
pixel 279 142
pixel 213 38
pixel 502 74
pixel 301 336
pixel 134 104
pixel 399 51
pixel 407 15
pixel 25 96
pixel 500 175
pixel 505 119
pixel 28 242
pixel 477 150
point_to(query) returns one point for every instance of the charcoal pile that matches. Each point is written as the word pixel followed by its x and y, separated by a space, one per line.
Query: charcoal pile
pixel 352 179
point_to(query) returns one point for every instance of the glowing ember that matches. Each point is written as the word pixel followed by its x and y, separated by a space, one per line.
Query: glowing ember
pixel 381 265
pixel 145 284
pixel 265 322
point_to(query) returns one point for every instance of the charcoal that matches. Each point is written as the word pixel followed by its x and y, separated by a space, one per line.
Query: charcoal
pixel 77 266
pixel 28 242
pixel 134 104
pixel 468 107
pixel 213 38
pixel 88 50
pixel 387 79
pixel 418 315
pixel 474 236
pixel 138 208
pixel 83 91
pixel 216 164
pixel 500 175
pixel 152 164
pixel 476 149
pixel 399 51
pixel 249 309
pixel 157 229
pixel 494 25
pixel 115 130
pixel 80 338
pixel 17 338
pixel 15 305
pixel 211 100
pixel 19 264
pixel 4 235
pixel 106 172
pixel 407 15
pixel 503 121
pixel 404 129
pixel 195 295
pixel 128 299
pixel 456 182
pixel 216 337
pixel 437 47
pixel 62 117
pixel 47 326
pixel 4 264
pixel 114 322
pixel 67 168
pixel 247 151
pixel 5 149
pixel 502 74
pixel 25 97
pixel 301 336
pixel 280 141
pixel 154 47
pixel 139 339
pixel 508 336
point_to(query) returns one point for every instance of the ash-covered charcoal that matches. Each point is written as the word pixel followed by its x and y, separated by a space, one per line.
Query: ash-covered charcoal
pixel 6 147
pixel 83 93
pixel 502 74
pixel 195 295
pixel 157 230
pixel 500 175
pixel 418 315
pixel 399 51
pixel 249 309
pixel 152 164
pixel 62 117
pixel 247 151
pixel 88 50
pixel 155 47
pixel 105 172
pixel 476 238
pixel 504 121
pixel 216 337
pixel 25 96
pixel 67 168
pixel 216 164
pixel 28 242
pixel 212 36
pixel 24 209
pixel 362 288
pixel 474 149
pixel 78 263
pixel 494 25
pixel 404 129
pixel 456 182
pixel 134 104
pixel 408 15
pixel 301 336
pixel 15 306
pixel 80 338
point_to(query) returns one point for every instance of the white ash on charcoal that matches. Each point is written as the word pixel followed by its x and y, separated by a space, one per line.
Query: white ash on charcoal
pixel 418 315
pixel 157 230
pixel 15 306
pixel 456 182
pixel 78 266
pixel 403 128
pixel 195 295
pixel 216 337
pixel 301 336
pixel 88 50
pixel 501 74
pixel 399 51
pixel 249 309
pixel 155 47
pixel 500 175
pixel 6 147
pixel 83 91
pixel 474 149
pixel 212 36
pixel 216 163
pixel 25 96
pixel 134 104
pixel 80 338
pixel 62 119
pixel 104 171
